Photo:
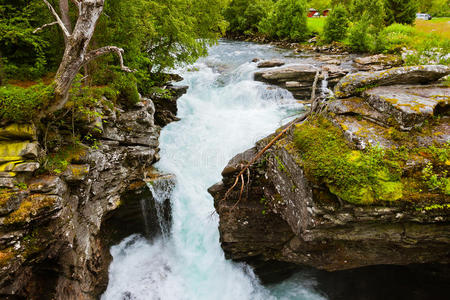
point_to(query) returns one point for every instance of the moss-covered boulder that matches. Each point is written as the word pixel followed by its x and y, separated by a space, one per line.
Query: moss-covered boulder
pixel 15 151
pixel 18 132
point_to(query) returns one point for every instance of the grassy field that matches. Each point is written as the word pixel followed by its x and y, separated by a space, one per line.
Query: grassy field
pixel 315 25
pixel 439 26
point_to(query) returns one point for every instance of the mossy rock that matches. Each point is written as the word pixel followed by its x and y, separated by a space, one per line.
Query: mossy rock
pixel 14 151
pixel 18 132
pixel 30 208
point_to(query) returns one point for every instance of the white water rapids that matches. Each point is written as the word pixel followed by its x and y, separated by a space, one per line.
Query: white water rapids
pixel 223 114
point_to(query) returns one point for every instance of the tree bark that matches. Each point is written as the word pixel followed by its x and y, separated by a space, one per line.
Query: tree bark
pixel 65 17
pixel 76 53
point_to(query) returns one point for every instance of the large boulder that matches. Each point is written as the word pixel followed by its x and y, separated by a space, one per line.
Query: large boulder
pixel 271 63
pixel 356 83
pixel 409 105
pixel 302 72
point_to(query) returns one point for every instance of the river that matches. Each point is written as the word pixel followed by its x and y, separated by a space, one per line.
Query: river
pixel 223 113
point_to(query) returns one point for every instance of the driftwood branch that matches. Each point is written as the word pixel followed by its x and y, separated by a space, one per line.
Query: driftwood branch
pixel 44 26
pixel 58 19
pixel 258 156
pixel 106 50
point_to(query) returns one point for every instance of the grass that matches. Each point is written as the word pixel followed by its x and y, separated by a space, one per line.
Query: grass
pixel 439 26
pixel 315 25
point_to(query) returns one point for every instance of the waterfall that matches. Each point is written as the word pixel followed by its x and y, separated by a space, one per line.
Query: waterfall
pixel 223 113
pixel 325 91
pixel 161 189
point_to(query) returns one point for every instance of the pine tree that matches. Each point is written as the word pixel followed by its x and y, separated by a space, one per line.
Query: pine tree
pixel 336 24
pixel 400 11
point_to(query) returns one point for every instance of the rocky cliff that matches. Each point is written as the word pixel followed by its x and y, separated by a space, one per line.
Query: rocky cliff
pixel 56 226
pixel 363 183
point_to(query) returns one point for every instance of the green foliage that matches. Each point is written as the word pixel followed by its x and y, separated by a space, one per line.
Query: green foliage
pixel 336 25
pixel 354 176
pixel 24 54
pixel 320 5
pixel 156 35
pixel 287 20
pixel 395 37
pixel 360 39
pixel 436 181
pixel 368 17
pixel 400 11
pixel 244 16
pixel 437 8
pixel 19 104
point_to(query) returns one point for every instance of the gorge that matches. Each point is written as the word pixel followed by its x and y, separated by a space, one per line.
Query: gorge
pixel 165 243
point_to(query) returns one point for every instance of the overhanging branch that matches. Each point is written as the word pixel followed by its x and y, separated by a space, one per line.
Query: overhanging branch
pixel 106 50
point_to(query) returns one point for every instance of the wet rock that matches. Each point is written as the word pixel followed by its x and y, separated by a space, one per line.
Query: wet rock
pixel 166 107
pixel 285 217
pixel 353 84
pixel 271 63
pixel 7 182
pixel 299 79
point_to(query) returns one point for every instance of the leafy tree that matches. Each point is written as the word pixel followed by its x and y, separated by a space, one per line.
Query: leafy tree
pixel 25 55
pixel 335 28
pixel 320 5
pixel 368 17
pixel 372 11
pixel 244 16
pixel 400 11
pixel 287 20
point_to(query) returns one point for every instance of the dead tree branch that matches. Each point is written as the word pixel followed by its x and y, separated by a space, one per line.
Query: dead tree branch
pixel 58 19
pixel 106 50
pixel 259 154
pixel 44 26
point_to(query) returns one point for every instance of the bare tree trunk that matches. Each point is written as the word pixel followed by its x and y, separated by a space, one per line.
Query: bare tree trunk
pixel 65 17
pixel 76 53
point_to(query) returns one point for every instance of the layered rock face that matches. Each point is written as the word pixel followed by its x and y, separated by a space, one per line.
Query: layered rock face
pixel 299 78
pixel 53 244
pixel 287 214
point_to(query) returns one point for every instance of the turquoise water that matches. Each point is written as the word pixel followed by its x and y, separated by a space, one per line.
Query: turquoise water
pixel 223 114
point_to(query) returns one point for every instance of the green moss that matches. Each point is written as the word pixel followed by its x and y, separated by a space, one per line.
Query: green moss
pixel 360 177
pixel 29 207
pixel 281 167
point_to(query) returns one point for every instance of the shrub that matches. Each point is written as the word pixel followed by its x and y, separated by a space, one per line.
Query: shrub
pixel 287 21
pixel 19 104
pixel 336 25
pixel 360 39
pixel 395 37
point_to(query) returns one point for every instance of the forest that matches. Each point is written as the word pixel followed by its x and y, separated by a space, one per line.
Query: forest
pixel 154 36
